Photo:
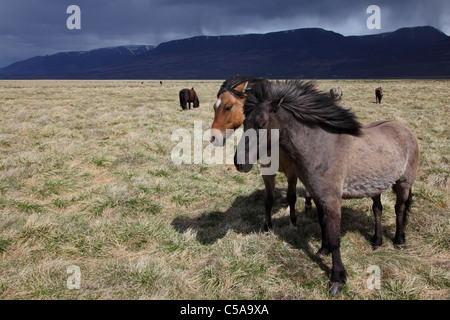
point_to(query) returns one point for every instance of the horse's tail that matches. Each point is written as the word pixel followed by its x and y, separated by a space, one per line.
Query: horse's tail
pixel 196 102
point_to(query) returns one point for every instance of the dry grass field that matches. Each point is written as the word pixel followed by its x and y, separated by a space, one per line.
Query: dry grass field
pixel 86 179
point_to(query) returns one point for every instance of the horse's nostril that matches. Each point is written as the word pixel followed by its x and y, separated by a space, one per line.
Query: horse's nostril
pixel 212 139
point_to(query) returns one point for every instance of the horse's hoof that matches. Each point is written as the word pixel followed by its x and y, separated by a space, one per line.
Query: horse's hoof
pixel 292 227
pixel 266 228
pixel 335 288
pixel 377 248
pixel 323 252
pixel 400 247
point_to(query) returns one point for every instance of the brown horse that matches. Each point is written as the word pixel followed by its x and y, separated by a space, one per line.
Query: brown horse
pixel 189 96
pixel 335 157
pixel 229 114
pixel 378 94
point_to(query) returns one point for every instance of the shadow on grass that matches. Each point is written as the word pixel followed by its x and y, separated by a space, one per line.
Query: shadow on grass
pixel 246 216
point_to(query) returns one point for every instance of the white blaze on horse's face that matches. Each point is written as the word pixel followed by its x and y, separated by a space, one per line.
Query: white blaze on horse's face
pixel 218 103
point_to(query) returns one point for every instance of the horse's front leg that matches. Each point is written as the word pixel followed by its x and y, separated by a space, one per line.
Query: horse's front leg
pixel 269 183
pixel 331 232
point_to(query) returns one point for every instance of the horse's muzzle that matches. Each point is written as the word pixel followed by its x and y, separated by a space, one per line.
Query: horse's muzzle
pixel 217 138
pixel 217 141
pixel 242 167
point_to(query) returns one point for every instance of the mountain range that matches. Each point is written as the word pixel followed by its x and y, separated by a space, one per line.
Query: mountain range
pixel 70 64
pixel 418 52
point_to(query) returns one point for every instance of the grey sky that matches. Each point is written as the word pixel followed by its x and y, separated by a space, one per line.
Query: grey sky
pixel 30 27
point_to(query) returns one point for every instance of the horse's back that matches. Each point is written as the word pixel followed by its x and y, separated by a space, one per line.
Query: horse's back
pixel 391 136
pixel 192 94
pixel 194 98
pixel 390 132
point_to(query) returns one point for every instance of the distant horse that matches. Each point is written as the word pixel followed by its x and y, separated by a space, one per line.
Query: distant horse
pixel 336 93
pixel 189 96
pixel 378 94
pixel 229 114
pixel 335 157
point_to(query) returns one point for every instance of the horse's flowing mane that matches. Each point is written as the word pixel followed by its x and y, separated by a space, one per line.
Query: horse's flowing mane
pixel 231 83
pixel 306 103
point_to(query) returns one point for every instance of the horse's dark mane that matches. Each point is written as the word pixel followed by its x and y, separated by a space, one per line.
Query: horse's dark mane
pixel 306 103
pixel 231 83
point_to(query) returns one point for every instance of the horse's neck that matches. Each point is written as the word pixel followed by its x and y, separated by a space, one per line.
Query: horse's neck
pixel 300 141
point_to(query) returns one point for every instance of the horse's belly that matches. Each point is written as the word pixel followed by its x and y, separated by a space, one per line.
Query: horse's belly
pixel 365 188
pixel 370 182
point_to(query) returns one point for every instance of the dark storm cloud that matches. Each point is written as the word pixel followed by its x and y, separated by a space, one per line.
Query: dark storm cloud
pixel 30 27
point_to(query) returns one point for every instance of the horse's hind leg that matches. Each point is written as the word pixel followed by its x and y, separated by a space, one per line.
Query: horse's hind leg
pixel 308 204
pixel 377 210
pixel 269 183
pixel 403 192
pixel 324 251
pixel 292 197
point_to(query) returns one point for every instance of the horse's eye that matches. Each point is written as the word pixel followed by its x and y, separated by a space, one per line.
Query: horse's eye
pixel 228 108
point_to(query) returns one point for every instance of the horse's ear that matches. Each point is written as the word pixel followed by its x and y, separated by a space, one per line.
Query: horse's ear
pixel 275 104
pixel 245 87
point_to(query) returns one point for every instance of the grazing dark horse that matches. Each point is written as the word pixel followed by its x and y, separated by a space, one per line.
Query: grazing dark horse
pixel 336 93
pixel 378 94
pixel 335 157
pixel 189 96
pixel 229 114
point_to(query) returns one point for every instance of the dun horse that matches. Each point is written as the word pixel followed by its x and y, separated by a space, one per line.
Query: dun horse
pixel 187 97
pixel 336 93
pixel 229 114
pixel 335 157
